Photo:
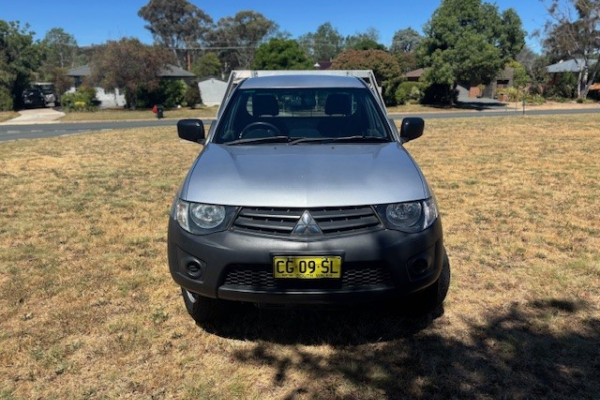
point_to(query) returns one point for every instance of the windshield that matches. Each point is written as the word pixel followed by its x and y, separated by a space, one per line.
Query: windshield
pixel 302 116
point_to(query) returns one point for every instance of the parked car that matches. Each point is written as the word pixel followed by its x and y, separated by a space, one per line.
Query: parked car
pixel 304 194
pixel 39 94
pixel 33 97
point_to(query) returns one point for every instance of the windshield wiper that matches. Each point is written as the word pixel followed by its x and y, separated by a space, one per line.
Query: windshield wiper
pixel 267 139
pixel 360 138
pixel 310 140
pixel 355 138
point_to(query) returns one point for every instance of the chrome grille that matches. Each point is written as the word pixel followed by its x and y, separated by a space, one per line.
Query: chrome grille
pixel 281 221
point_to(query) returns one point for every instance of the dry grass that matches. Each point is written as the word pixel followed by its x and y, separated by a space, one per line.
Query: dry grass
pixel 89 311
pixel 122 115
pixel 6 115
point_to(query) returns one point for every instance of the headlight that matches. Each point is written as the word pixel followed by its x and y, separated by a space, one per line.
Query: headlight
pixel 410 217
pixel 199 219
pixel 207 216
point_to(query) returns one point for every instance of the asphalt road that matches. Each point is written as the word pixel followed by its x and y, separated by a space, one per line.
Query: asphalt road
pixel 35 131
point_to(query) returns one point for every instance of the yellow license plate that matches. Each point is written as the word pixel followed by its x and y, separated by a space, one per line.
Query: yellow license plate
pixel 321 267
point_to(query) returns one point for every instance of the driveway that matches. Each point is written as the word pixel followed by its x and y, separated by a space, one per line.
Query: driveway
pixel 35 116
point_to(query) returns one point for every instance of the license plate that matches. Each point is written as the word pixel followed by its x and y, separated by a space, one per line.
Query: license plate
pixel 321 267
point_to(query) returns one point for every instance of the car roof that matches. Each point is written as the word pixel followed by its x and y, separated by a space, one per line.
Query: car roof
pixel 302 81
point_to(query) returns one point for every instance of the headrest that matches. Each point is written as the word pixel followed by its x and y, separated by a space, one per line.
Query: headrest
pixel 264 104
pixel 338 103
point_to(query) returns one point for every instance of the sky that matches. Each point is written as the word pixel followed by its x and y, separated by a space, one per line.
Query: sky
pixel 95 22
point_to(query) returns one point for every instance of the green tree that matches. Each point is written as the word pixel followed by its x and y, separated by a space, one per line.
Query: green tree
pixel 324 44
pixel 239 36
pixel 130 65
pixel 574 32
pixel 176 24
pixel 60 52
pixel 385 68
pixel 368 40
pixel 207 65
pixel 60 49
pixel 20 56
pixel 405 41
pixel 281 54
pixel 404 47
pixel 469 41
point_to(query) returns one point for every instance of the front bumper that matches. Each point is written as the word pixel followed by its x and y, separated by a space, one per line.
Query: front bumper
pixel 239 266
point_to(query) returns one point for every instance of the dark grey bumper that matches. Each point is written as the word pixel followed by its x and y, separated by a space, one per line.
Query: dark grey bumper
pixel 238 266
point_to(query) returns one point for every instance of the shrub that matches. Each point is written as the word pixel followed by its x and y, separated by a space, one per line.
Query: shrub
pixel 192 95
pixel 535 99
pixel 84 99
pixel 514 94
pixel 409 92
pixel 169 93
pixel 6 102
pixel 439 93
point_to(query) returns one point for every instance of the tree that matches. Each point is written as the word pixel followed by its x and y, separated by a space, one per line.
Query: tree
pixel 324 44
pixel 406 41
pixel 368 40
pixel 385 68
pixel 60 52
pixel 176 24
pixel 130 65
pixel 239 36
pixel 404 47
pixel 281 54
pixel 207 65
pixel 469 41
pixel 576 37
pixel 20 56
pixel 60 48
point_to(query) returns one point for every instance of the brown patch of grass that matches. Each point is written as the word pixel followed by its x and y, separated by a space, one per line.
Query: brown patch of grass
pixel 6 115
pixel 88 308
pixel 123 115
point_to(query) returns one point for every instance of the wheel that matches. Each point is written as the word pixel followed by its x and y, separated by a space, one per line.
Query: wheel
pixel 202 309
pixel 260 126
pixel 432 297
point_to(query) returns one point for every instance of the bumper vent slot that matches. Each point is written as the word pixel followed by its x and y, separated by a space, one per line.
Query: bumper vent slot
pixel 260 278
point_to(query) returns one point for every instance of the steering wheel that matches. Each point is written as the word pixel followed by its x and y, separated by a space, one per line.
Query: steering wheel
pixel 257 126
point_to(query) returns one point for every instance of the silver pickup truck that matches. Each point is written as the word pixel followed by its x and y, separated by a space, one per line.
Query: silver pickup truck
pixel 304 194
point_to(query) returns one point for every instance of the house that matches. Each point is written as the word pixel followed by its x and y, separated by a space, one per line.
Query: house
pixel 414 75
pixel 109 99
pixel 212 91
pixel 322 65
pixel 573 65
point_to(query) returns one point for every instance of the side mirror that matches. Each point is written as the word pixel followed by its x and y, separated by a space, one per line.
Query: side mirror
pixel 411 128
pixel 191 129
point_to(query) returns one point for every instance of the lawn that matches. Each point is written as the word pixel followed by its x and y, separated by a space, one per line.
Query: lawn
pixel 6 115
pixel 88 309
pixel 123 114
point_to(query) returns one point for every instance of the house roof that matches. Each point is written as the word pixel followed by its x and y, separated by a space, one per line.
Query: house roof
pixel 168 71
pixel 83 70
pixel 572 65
pixel 414 73
pixel 211 78
pixel 323 65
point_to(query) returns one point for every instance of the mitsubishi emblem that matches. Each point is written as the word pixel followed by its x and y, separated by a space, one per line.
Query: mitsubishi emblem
pixel 307 226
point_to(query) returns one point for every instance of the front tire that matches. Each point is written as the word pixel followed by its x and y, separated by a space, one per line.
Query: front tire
pixel 202 309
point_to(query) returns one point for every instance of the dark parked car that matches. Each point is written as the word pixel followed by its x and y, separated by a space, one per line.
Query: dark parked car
pixel 40 94
pixel 33 98
pixel 304 194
